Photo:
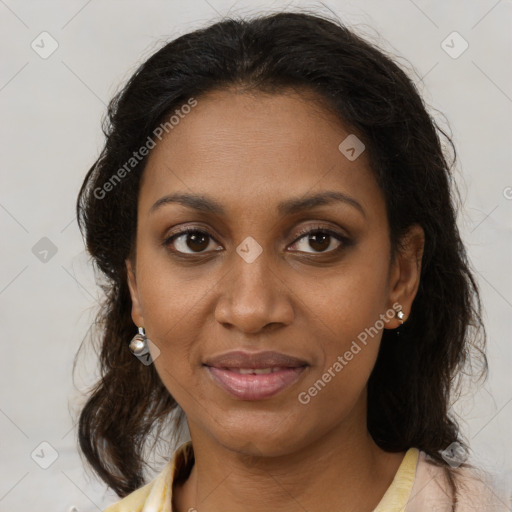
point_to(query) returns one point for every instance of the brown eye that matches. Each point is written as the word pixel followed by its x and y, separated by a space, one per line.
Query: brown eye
pixel 320 240
pixel 190 241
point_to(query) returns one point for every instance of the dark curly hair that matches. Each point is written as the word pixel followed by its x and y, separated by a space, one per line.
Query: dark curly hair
pixel 417 372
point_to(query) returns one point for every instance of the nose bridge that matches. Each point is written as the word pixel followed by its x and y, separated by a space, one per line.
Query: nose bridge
pixel 251 265
pixel 252 296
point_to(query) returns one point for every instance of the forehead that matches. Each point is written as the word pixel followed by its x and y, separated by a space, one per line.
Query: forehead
pixel 254 148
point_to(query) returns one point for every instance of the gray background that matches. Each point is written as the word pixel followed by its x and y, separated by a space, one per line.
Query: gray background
pixel 51 110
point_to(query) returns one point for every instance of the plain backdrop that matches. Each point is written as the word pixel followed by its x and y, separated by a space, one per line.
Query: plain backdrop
pixel 62 62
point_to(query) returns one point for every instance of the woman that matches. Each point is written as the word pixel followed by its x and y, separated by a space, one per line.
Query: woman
pixel 273 215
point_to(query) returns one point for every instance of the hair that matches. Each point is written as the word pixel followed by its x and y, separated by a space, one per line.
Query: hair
pixel 416 372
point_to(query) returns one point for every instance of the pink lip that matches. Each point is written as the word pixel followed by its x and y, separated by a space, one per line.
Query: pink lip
pixel 255 387
pixel 244 359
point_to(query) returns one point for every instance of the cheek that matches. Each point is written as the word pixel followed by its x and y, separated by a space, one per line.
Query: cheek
pixel 351 297
pixel 353 330
pixel 174 307
pixel 170 293
pixel 348 307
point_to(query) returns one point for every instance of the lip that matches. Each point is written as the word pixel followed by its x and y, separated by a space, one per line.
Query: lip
pixel 243 359
pixel 255 387
pixel 225 372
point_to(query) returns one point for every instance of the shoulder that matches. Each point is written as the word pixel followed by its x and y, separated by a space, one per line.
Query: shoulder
pixel 476 490
pixel 157 494
pixel 134 502
pixel 150 496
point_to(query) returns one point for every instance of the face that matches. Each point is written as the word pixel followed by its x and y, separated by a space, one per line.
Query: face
pixel 288 251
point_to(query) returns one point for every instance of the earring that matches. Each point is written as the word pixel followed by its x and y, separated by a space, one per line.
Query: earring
pixel 139 343
pixel 400 314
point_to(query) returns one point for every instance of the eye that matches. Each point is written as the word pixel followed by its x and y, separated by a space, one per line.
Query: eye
pixel 196 241
pixel 321 240
pixel 190 241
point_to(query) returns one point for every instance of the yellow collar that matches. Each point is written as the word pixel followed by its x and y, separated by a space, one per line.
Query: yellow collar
pixel 157 495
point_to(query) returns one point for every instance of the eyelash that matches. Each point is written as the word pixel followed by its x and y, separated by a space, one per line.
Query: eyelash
pixel 306 231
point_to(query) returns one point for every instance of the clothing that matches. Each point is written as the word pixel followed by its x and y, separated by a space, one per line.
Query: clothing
pixel 417 487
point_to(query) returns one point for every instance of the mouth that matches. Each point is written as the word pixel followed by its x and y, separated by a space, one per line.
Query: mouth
pixel 255 383
pixel 255 376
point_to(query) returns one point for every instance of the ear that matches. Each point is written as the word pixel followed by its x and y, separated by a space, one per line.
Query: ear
pixel 137 315
pixel 405 273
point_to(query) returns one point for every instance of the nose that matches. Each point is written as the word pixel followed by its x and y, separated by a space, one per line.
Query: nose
pixel 254 296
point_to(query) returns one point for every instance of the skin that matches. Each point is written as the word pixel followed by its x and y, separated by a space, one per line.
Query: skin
pixel 249 152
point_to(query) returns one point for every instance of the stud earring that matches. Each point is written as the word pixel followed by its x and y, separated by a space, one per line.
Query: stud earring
pixel 139 343
pixel 400 314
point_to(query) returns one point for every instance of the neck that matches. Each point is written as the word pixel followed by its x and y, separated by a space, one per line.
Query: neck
pixel 342 470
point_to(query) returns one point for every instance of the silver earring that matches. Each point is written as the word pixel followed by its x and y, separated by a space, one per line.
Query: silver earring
pixel 400 314
pixel 139 343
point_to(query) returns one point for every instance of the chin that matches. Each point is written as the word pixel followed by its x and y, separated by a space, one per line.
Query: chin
pixel 268 436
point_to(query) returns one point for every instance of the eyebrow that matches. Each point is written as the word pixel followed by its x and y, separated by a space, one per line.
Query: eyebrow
pixel 288 207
